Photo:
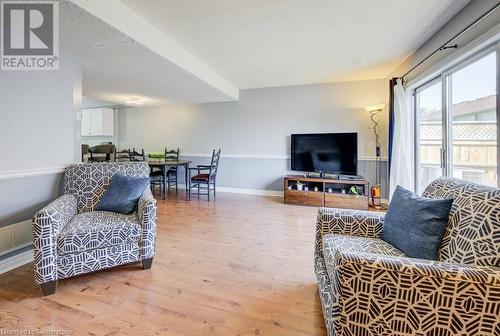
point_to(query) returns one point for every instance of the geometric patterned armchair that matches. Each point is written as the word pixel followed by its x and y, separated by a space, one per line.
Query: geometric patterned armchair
pixel 368 287
pixel 70 238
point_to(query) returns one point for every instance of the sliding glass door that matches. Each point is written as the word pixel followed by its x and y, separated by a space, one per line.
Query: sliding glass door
pixel 473 120
pixel 428 103
pixel 457 123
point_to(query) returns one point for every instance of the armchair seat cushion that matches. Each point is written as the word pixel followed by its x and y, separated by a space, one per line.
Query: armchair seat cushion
pixel 96 230
pixel 333 243
pixel 200 178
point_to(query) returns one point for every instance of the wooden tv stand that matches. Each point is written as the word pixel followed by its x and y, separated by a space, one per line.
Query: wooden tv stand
pixel 339 197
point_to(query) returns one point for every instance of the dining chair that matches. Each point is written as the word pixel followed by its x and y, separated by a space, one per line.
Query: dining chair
pixel 156 179
pixel 85 151
pixel 157 176
pixel 123 155
pixel 204 181
pixel 107 149
pixel 137 156
pixel 173 155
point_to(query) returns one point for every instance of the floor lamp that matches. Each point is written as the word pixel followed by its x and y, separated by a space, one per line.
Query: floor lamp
pixel 376 191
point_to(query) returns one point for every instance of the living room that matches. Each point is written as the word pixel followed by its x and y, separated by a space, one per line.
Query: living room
pixel 237 168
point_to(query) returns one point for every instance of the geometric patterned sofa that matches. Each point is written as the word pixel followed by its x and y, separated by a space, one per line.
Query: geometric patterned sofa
pixel 368 287
pixel 70 238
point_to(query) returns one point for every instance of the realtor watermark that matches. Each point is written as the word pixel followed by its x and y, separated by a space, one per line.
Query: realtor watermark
pixel 29 35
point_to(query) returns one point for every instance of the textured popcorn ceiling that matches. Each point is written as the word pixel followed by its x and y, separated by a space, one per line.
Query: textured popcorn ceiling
pixel 117 68
pixel 261 43
pixel 238 44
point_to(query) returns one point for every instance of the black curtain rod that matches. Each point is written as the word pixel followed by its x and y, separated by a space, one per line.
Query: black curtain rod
pixel 454 46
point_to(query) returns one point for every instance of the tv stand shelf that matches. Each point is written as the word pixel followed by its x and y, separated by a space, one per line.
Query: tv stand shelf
pixel 328 192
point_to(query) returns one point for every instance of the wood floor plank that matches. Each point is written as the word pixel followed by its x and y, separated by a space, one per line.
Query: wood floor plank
pixel 242 265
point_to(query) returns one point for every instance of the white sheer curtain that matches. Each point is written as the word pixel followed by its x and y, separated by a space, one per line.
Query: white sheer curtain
pixel 402 161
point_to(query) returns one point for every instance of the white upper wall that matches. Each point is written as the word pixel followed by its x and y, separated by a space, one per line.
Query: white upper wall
pixel 261 122
pixel 38 112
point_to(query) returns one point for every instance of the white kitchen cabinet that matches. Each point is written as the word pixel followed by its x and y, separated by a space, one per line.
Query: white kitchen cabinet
pixel 97 122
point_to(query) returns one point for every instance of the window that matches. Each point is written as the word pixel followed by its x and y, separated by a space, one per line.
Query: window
pixel 472 109
pixel 457 123
pixel 428 102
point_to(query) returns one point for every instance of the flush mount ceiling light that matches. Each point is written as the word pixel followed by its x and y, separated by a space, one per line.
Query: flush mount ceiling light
pixel 134 102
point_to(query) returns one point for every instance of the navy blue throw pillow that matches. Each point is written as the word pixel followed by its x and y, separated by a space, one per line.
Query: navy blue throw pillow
pixel 123 194
pixel 416 225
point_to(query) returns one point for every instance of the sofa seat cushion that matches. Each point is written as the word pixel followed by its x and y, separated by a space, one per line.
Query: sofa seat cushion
pixel 333 243
pixel 96 230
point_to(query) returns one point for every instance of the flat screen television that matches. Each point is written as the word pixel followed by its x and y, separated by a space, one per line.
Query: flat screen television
pixel 335 153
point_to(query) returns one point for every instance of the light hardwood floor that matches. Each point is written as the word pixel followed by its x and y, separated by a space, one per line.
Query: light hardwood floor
pixel 242 265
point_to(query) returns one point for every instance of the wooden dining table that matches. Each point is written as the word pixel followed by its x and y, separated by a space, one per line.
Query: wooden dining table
pixel 165 165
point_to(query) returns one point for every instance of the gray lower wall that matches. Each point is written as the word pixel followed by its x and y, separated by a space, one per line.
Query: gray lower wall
pixel 267 174
pixel 22 197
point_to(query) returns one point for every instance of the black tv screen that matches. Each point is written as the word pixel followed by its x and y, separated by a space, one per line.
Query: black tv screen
pixel 335 153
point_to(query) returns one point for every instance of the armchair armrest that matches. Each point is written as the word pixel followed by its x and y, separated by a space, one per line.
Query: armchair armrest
pixel 146 212
pixel 445 291
pixel 47 224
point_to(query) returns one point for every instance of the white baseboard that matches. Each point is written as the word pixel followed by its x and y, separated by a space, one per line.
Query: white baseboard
pixel 16 261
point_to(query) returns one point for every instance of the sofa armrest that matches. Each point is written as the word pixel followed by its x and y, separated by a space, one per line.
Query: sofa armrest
pixel 409 287
pixel 347 222
pixel 147 218
pixel 47 224
pixel 350 222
